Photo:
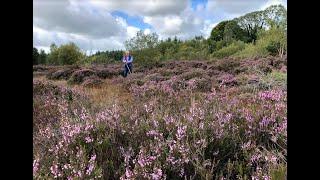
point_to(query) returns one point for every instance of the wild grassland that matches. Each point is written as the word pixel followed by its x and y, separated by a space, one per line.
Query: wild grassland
pixel 179 120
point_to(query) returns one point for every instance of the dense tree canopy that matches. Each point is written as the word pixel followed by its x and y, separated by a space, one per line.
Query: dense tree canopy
pixel 232 31
pixel 217 32
pixel 42 57
pixel 252 23
pixel 65 54
pixel 142 41
pixel 276 15
pixel 35 56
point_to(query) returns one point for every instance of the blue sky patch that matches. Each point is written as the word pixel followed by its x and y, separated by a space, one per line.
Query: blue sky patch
pixel 135 21
pixel 195 3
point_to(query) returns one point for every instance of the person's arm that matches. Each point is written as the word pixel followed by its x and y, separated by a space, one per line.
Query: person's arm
pixel 123 59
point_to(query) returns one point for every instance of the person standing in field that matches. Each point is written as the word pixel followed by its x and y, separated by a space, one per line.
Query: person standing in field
pixel 127 60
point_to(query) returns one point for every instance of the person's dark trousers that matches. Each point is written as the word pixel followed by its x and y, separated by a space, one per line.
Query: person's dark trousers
pixel 126 70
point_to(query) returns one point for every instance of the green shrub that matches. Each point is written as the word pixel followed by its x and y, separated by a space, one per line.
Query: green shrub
pixel 273 79
pixel 229 50
pixel 273 47
pixel 251 51
pixel 271 42
pixel 66 54
pixel 147 58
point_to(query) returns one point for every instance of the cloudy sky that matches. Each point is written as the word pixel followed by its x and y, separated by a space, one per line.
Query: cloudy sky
pixel 106 24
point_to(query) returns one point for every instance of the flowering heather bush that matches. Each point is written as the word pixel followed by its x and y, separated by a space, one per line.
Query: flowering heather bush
pixel 92 81
pixel 283 69
pixel 194 73
pixel 39 73
pixel 170 72
pixel 47 98
pixel 78 76
pixel 227 79
pixel 200 84
pixel 107 72
pixel 155 77
pixel 199 65
pixel 227 65
pixel 40 68
pixel 133 79
pixel 61 74
pixel 200 128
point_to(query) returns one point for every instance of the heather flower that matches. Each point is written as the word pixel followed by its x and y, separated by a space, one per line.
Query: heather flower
pixel 144 160
pixel 192 84
pixel 246 146
pixel 66 166
pixel 88 127
pixel 157 174
pixel 148 108
pixel 280 106
pixel 211 95
pixel 128 174
pixel 255 158
pixel 181 132
pixel 91 164
pixel 88 139
pixel 265 177
pixel 181 173
pixel 255 178
pixel 223 118
pixel 168 119
pixel 35 166
pixel 79 174
pixel 55 171
pixel 152 133
pixel 126 154
pixel 274 95
pixel 201 125
pixel 247 115
pixel 265 122
pixel 166 87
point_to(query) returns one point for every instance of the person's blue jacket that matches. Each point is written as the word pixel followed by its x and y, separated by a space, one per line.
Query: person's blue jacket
pixel 127 59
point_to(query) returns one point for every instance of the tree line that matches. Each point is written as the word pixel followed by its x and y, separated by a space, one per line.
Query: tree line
pixel 259 33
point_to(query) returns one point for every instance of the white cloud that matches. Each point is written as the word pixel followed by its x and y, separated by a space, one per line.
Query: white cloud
pixel 147 31
pixel 91 26
pixel 45 48
pixel 169 25
pixel 143 7
pixel 132 31
pixel 273 2
pixel 78 17
pixel 187 24
pixel 163 15
pixel 208 26
pixel 43 38
pixel 235 6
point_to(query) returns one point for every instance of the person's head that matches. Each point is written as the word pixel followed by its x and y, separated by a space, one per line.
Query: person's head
pixel 127 53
